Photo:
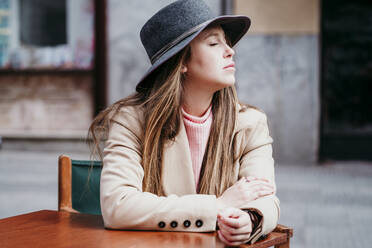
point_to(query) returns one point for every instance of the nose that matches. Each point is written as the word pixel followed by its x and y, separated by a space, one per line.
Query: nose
pixel 229 52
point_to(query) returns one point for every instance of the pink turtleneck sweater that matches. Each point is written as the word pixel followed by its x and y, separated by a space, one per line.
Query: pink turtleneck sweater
pixel 197 130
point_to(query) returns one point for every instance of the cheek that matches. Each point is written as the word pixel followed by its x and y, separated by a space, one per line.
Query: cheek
pixel 205 63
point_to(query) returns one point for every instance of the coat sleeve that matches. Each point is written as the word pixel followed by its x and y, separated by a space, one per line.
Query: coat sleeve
pixel 123 203
pixel 257 161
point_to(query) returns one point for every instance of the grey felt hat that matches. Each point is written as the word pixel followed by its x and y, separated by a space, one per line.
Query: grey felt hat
pixel 173 27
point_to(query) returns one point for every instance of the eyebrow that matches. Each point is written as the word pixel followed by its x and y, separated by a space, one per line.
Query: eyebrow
pixel 213 34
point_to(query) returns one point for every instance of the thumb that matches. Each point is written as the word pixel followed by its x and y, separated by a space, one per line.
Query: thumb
pixel 230 213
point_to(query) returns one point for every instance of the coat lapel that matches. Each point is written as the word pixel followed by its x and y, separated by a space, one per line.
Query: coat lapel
pixel 178 176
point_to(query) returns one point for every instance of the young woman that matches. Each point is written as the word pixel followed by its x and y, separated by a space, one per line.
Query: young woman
pixel 182 154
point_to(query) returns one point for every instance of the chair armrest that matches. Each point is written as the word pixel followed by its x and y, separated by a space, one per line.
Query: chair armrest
pixel 284 229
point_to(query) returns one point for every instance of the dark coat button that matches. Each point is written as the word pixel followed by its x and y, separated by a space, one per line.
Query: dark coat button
pixel 199 223
pixel 186 223
pixel 161 224
pixel 174 224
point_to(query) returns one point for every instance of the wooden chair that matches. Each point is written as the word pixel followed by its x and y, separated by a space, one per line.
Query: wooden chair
pixel 78 185
pixel 78 192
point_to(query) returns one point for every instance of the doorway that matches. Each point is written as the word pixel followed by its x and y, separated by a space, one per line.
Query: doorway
pixel 346 80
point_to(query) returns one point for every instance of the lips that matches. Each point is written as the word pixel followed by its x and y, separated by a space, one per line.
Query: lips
pixel 232 65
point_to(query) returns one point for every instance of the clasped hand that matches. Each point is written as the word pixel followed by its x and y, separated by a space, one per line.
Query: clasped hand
pixel 235 224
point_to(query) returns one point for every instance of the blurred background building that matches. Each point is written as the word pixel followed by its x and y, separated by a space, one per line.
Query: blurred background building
pixel 306 63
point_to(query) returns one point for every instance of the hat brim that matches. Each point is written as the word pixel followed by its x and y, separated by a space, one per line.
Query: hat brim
pixel 235 27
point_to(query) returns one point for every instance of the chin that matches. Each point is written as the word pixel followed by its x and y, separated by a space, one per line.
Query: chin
pixel 223 85
pixel 229 82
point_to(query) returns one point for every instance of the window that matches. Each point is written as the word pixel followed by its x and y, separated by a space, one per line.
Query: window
pixel 43 22
pixel 45 34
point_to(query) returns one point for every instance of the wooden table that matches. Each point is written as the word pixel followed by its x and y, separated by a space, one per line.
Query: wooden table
pixel 62 229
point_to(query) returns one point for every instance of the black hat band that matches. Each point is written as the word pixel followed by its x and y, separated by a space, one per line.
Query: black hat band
pixel 166 48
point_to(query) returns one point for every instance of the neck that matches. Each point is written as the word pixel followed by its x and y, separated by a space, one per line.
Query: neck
pixel 196 102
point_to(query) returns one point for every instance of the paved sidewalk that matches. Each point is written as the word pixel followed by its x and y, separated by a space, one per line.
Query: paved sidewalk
pixel 328 206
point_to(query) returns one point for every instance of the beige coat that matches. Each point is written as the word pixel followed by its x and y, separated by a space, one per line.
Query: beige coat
pixel 125 206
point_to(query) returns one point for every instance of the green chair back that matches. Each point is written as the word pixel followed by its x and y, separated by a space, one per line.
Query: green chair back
pixel 85 186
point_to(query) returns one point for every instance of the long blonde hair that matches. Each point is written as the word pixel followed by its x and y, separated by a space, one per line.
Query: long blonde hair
pixel 162 116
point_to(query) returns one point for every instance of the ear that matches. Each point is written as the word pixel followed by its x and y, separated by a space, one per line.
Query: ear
pixel 184 69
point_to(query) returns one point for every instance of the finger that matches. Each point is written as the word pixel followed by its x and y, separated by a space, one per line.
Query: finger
pixel 258 194
pixel 241 181
pixel 257 179
pixel 234 238
pixel 231 222
pixel 256 191
pixel 263 179
pixel 255 184
pixel 232 212
pixel 257 187
pixel 224 240
pixel 259 182
pixel 224 212
pixel 261 188
pixel 245 230
pixel 241 221
pixel 252 178
pixel 262 193
pixel 227 228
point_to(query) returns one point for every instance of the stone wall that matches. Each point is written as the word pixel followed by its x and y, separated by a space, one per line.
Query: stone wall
pixel 278 71
pixel 49 105
pixel 279 74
